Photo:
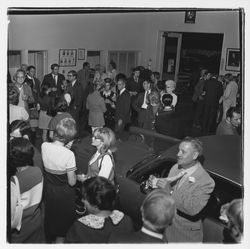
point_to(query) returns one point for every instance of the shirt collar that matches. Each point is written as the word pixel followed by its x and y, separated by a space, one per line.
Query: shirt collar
pixel 73 83
pixel 151 233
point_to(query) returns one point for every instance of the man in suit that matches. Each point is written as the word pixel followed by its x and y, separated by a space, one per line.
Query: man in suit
pixel 157 211
pixel 122 111
pixel 55 80
pixel 140 104
pixel 213 91
pixel 134 86
pixel 76 92
pixel 190 186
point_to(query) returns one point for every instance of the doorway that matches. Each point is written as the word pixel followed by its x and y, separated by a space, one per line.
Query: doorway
pixel 184 53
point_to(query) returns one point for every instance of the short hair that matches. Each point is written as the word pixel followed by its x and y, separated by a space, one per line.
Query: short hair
pixel 18 71
pixel 156 75
pixel 170 83
pixel 112 63
pixel 121 76
pixel 196 143
pixel 61 104
pixel 107 136
pixel 65 130
pixel 13 95
pixel 232 110
pixel 54 65
pixel 22 126
pixel 21 153
pixel 235 211
pixel 74 73
pixel 158 210
pixel 99 192
pixel 31 67
pixel 167 99
pixel 85 64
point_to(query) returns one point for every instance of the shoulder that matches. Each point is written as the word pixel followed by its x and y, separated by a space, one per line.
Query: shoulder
pixel 203 176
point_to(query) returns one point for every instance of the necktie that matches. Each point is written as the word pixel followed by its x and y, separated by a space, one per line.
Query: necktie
pixel 54 79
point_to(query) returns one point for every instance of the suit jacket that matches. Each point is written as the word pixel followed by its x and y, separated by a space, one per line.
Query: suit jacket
pixel 214 90
pixel 28 92
pixel 133 237
pixel 76 93
pixel 83 76
pixel 142 113
pixel 190 198
pixel 122 110
pixel 48 78
pixel 34 87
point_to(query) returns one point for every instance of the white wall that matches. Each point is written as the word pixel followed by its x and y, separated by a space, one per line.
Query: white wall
pixel 116 31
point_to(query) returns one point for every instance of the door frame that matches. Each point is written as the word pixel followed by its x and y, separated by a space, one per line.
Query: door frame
pixel 161 46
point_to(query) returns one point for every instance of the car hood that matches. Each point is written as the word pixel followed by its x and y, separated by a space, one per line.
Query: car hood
pixel 222 154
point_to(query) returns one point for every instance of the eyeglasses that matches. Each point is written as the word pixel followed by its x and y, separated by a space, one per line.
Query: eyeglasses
pixel 20 77
pixel 94 137
pixel 70 75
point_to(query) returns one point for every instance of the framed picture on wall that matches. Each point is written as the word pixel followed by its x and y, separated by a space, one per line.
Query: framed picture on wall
pixel 81 54
pixel 190 16
pixel 233 59
pixel 67 57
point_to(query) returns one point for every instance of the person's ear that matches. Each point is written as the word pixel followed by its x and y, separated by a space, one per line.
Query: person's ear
pixel 195 155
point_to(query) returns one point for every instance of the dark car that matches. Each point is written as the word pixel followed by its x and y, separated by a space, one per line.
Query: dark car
pixel 222 159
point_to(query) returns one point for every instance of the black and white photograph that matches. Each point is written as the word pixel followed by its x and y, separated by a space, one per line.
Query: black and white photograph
pixel 125 125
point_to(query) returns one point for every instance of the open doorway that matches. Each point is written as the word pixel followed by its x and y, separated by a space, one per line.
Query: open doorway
pixel 185 53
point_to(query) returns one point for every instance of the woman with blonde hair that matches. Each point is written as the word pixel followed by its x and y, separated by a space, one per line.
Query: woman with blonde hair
pixel 60 178
pixel 102 162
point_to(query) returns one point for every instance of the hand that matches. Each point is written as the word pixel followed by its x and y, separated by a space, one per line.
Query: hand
pixel 119 122
pixel 164 183
pixel 81 177
pixel 152 181
pixel 38 106
pixel 53 89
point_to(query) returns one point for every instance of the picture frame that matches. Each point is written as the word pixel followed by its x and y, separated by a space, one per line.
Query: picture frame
pixel 190 16
pixel 67 57
pixel 233 60
pixel 81 54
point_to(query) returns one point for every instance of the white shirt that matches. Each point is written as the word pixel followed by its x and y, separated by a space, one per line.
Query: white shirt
pixel 106 166
pixel 151 233
pixel 73 83
pixel 122 91
pixel 17 113
pixel 57 159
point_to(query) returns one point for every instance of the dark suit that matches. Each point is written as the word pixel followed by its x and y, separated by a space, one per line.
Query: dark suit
pixel 122 110
pixel 213 89
pixel 137 106
pixel 35 87
pixel 134 237
pixel 48 78
pixel 75 107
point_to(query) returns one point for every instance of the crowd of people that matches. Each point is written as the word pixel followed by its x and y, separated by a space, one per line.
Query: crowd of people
pixel 62 194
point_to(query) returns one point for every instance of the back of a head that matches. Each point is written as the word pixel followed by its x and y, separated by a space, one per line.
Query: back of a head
pixel 19 128
pixel 232 110
pixel 167 99
pixel 235 213
pixel 61 104
pixel 65 130
pixel 99 192
pixel 158 210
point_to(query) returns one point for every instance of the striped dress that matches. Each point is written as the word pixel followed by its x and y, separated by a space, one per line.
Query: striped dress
pixel 59 195
pixel 31 188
